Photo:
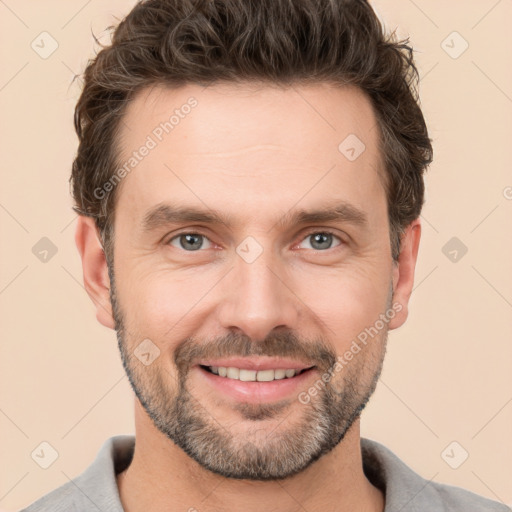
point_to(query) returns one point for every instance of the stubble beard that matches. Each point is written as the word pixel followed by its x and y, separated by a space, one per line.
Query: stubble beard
pixel 272 447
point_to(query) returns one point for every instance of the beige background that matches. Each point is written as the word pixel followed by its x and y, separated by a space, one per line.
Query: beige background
pixel 448 373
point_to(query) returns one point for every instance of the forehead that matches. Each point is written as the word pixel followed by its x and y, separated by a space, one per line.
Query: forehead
pixel 250 146
pixel 263 112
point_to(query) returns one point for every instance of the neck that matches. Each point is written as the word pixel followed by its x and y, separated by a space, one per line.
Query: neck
pixel 161 477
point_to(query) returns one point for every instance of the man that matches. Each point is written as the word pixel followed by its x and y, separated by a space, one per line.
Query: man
pixel 249 184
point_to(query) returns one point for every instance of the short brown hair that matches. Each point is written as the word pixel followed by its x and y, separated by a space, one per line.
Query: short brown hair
pixel 284 42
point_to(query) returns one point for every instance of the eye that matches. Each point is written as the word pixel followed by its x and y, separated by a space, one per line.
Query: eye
pixel 322 240
pixel 189 241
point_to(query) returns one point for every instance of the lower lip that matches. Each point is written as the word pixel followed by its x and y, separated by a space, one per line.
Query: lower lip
pixel 257 392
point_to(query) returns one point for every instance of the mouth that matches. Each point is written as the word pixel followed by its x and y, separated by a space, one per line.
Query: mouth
pixel 256 386
pixel 247 375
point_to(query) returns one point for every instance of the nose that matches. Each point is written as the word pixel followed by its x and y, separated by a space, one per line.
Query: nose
pixel 258 297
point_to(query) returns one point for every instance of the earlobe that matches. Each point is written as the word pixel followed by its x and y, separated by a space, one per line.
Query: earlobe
pixel 403 273
pixel 95 270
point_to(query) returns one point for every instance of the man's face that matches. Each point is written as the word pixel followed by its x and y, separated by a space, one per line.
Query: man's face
pixel 260 286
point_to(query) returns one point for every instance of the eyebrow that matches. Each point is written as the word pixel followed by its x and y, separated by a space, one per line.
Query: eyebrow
pixel 165 214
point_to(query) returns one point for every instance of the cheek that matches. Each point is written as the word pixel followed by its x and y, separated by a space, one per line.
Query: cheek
pixel 157 306
pixel 168 305
pixel 347 302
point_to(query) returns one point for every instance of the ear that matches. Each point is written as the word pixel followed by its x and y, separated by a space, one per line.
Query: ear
pixel 95 270
pixel 403 273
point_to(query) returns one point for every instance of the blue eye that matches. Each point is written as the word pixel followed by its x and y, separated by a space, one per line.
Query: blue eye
pixel 322 240
pixel 186 241
pixel 190 241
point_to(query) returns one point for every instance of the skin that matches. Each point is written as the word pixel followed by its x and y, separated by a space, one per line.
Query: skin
pixel 255 153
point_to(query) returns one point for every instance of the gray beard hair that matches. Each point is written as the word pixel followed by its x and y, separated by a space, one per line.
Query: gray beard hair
pixel 257 454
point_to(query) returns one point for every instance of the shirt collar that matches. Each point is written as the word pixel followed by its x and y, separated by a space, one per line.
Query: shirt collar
pixel 404 490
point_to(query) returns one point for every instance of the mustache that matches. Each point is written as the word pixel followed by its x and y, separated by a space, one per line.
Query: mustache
pixel 316 352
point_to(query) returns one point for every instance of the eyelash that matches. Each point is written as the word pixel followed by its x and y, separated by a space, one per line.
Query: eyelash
pixel 308 234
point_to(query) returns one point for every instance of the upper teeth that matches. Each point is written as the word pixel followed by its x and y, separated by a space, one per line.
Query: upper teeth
pixel 252 375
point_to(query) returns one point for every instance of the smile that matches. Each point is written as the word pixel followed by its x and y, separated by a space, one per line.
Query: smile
pixel 253 375
pixel 255 386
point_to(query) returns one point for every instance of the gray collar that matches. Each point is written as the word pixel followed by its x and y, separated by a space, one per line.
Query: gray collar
pixel 406 491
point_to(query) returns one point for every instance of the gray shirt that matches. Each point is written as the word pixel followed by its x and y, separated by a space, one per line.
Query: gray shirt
pixel 96 488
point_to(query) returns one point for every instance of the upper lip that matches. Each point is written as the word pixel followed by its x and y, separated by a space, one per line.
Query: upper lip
pixel 257 364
